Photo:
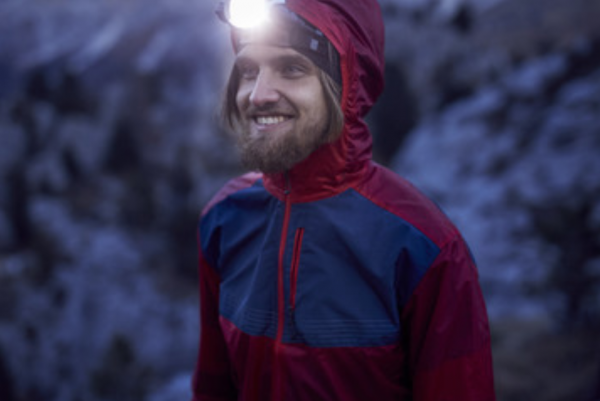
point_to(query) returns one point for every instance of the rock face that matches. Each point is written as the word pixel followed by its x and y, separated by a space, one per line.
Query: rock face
pixel 109 148
pixel 505 139
pixel 107 139
pixel 516 166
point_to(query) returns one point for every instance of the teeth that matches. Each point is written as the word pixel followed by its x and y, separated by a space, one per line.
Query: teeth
pixel 270 120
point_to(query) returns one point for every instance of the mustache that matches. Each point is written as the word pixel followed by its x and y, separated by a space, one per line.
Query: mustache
pixel 269 109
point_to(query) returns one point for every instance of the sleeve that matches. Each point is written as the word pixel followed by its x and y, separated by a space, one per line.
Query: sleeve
pixel 448 336
pixel 212 377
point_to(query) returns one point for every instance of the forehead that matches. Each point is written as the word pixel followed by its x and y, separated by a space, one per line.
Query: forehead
pixel 265 53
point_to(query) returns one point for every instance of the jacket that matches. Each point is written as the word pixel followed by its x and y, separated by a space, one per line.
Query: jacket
pixel 338 280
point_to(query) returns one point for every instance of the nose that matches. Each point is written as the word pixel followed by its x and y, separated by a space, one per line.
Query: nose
pixel 264 90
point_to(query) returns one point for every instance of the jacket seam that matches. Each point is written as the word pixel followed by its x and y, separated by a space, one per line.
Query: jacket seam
pixel 453 234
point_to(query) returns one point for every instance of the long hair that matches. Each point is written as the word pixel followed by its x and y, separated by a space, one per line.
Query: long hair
pixel 230 114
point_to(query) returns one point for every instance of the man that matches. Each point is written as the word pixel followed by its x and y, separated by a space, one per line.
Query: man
pixel 326 276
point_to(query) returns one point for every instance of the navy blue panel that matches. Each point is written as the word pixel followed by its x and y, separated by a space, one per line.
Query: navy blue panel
pixel 244 253
pixel 358 265
pixel 353 270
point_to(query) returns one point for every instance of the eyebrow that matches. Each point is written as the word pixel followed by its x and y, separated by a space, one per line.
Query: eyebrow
pixel 279 59
pixel 242 59
pixel 294 59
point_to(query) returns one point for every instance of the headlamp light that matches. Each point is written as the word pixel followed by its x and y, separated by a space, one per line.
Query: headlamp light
pixel 246 14
pixel 271 22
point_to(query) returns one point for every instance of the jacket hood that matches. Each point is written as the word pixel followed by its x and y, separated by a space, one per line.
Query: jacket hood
pixel 356 30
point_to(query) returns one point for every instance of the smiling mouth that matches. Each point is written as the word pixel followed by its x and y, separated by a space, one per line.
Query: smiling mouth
pixel 270 120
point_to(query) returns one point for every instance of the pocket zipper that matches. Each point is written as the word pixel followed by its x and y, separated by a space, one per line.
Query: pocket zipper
pixel 294 267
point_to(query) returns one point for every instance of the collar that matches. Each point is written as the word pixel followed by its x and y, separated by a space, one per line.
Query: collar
pixel 328 171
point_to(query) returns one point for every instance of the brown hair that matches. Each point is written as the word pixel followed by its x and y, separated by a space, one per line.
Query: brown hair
pixel 230 115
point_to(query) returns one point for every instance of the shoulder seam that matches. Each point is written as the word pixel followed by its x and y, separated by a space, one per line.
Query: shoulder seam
pixel 232 186
pixel 453 233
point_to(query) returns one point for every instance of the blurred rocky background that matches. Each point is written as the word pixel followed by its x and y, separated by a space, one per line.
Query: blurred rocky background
pixel 109 148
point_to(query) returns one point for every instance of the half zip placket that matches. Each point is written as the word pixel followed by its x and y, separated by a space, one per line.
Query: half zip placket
pixel 277 385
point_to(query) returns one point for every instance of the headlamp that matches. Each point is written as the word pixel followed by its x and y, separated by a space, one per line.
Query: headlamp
pixel 271 22
pixel 246 14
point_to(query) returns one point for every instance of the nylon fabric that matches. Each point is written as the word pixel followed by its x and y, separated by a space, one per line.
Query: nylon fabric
pixel 381 299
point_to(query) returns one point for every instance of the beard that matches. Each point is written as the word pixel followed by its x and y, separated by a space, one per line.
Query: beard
pixel 279 152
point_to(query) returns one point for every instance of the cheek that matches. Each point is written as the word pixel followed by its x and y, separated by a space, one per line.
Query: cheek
pixel 239 102
pixel 313 96
pixel 315 100
pixel 241 97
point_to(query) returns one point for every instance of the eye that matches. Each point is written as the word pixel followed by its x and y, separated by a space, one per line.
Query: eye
pixel 247 71
pixel 293 70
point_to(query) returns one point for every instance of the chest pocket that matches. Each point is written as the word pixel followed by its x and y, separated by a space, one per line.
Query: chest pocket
pixel 335 296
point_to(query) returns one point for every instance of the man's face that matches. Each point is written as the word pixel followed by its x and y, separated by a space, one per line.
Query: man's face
pixel 282 107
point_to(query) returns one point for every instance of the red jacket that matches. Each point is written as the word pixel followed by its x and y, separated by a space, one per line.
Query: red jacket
pixel 339 281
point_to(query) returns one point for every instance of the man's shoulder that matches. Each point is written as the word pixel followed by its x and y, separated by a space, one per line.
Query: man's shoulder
pixel 401 198
pixel 231 187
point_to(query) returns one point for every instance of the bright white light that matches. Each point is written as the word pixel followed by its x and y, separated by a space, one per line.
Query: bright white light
pixel 248 13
